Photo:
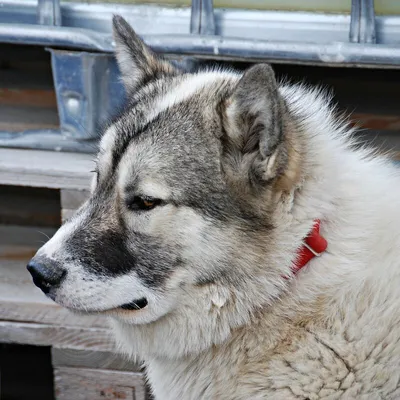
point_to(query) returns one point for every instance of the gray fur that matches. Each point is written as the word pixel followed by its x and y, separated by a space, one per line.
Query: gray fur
pixel 255 127
pixel 137 62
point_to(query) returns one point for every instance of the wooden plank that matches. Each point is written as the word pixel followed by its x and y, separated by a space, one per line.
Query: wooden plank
pixel 18 118
pixel 376 121
pixel 92 359
pixel 92 384
pixel 28 236
pixel 21 126
pixel 73 199
pixel 383 140
pixel 47 169
pixel 66 214
pixel 20 205
pixel 45 98
pixel 60 336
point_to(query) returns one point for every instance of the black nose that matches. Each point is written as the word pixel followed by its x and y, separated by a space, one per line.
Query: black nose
pixel 46 273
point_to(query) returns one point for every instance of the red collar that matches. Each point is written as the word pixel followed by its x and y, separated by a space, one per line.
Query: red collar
pixel 313 245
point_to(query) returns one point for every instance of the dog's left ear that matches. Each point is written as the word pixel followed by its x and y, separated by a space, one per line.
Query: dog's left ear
pixel 137 62
pixel 254 119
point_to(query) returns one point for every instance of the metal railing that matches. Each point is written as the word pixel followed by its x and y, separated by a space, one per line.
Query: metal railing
pixel 49 12
pixel 229 34
pixel 80 35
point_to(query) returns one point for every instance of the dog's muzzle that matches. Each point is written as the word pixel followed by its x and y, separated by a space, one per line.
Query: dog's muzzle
pixel 48 275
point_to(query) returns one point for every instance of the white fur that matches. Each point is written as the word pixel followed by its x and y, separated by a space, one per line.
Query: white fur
pixel 131 74
pixel 335 330
pixel 52 247
pixel 105 154
pixel 150 186
pixel 186 88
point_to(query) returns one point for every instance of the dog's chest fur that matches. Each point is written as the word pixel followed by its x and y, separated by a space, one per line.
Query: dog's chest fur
pixel 301 359
pixel 335 333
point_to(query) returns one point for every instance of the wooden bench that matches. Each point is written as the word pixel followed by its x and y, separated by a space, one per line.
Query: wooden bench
pixel 86 365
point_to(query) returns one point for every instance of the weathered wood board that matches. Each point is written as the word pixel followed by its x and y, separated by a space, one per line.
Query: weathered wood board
pixel 93 384
pixel 69 337
pixel 92 359
pixel 46 169
pixel 73 199
pixel 27 206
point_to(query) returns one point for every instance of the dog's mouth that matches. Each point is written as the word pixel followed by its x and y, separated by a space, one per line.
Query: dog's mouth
pixel 135 305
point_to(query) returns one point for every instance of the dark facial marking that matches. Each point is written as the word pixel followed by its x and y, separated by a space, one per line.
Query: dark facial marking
pixel 114 253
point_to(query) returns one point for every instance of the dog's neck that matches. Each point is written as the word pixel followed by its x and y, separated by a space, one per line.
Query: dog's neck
pixel 208 317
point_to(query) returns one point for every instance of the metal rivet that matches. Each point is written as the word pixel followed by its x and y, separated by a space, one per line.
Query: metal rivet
pixel 73 104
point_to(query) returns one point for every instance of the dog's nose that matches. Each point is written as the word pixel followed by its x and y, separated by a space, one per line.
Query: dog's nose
pixel 46 274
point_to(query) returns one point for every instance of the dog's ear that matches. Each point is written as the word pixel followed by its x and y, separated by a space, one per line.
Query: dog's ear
pixel 254 139
pixel 137 62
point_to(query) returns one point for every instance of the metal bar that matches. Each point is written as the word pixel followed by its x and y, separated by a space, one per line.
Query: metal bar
pixel 355 17
pixel 195 17
pixel 240 23
pixel 367 27
pixel 49 12
pixel 52 36
pixel 202 17
pixel 333 54
pixel 362 22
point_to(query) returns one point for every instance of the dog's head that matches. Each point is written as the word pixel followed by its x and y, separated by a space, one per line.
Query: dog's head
pixel 188 180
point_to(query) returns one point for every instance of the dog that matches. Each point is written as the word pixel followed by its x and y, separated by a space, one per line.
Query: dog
pixel 240 241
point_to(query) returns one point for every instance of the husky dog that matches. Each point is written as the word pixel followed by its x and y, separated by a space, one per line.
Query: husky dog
pixel 208 186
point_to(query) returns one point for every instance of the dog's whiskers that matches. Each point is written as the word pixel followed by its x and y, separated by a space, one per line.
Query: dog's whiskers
pixel 47 236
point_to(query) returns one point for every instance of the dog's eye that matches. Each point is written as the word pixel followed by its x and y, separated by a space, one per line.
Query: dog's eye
pixel 143 203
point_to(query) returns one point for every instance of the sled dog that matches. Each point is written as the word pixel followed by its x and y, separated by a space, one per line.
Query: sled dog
pixel 240 242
